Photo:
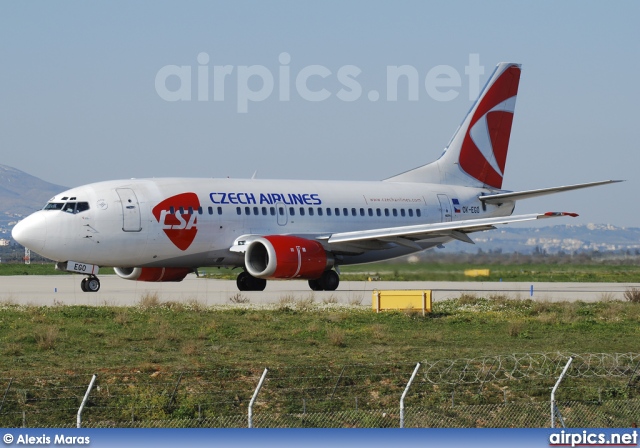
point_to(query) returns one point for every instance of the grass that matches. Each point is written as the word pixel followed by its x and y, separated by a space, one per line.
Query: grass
pixel 454 271
pixel 39 269
pixel 157 338
pixel 184 336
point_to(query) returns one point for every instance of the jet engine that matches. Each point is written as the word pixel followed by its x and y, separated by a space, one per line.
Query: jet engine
pixel 278 256
pixel 153 274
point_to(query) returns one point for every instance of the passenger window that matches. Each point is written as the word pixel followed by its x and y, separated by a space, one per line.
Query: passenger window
pixel 410 212
pixel 292 211
pixel 328 211
pixel 281 211
pixel 247 210
pixel 191 210
pixel 301 211
pixel 378 212
pixel 370 211
pixel 310 211
pixel 353 212
pixel 337 211
pixel 418 213
pixel 239 210
pixel 181 210
pixel 172 210
pixel 255 211
pixel 319 211
pixel 272 210
pixel 386 212
pixel 361 212
pixel 264 211
pixel 395 212
pixel 219 210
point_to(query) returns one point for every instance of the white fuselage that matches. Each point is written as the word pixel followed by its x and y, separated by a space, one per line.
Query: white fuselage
pixel 140 223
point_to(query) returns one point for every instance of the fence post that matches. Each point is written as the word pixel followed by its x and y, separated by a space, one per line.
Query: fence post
pixel 84 400
pixel 404 394
pixel 553 392
pixel 255 395
pixel 173 395
pixel 5 393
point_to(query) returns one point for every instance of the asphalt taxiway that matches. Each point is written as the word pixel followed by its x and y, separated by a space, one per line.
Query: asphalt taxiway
pixel 50 290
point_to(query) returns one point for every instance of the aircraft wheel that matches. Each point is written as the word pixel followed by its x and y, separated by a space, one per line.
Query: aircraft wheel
pixel 83 284
pixel 247 282
pixel 258 284
pixel 315 285
pixel 329 280
pixel 92 284
pixel 242 281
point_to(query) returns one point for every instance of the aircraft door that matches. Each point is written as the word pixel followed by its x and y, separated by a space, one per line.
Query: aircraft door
pixel 131 221
pixel 445 207
pixel 281 213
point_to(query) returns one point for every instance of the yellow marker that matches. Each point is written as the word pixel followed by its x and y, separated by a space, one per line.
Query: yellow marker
pixel 401 300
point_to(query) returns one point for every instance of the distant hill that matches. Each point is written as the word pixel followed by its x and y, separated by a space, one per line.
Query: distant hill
pixel 22 193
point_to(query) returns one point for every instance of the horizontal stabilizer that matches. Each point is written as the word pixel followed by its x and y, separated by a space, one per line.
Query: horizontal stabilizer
pixel 500 198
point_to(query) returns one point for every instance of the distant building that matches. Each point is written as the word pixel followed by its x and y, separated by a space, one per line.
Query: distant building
pixel 4 242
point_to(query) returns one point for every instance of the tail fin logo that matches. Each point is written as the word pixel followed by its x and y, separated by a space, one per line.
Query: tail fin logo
pixel 178 218
pixel 484 149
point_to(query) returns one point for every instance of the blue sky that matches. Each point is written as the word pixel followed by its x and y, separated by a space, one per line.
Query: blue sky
pixel 80 103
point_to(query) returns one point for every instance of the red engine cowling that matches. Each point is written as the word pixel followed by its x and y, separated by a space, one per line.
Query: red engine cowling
pixel 153 274
pixel 279 256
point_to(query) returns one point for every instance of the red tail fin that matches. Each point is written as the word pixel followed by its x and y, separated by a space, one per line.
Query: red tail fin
pixel 477 153
pixel 484 149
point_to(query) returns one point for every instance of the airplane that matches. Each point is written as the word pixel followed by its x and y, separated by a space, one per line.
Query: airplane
pixel 160 230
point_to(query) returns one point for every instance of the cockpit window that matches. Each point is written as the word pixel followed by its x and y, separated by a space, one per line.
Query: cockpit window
pixel 69 207
pixel 54 206
pixel 82 206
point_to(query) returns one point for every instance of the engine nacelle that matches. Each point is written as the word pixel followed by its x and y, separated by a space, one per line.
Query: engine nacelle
pixel 278 256
pixel 153 274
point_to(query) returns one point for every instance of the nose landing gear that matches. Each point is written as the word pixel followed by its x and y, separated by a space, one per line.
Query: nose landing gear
pixel 90 284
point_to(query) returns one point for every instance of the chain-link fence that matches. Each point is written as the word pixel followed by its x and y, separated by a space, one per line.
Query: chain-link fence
pixel 600 390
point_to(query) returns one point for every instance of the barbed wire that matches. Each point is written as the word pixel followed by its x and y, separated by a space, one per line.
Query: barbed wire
pixel 529 366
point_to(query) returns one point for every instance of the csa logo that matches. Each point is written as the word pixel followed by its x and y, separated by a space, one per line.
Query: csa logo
pixel 180 226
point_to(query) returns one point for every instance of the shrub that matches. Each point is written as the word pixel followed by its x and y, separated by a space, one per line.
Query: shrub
pixel 632 295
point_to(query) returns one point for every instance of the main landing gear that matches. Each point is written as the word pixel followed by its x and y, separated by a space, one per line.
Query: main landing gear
pixel 90 284
pixel 247 282
pixel 328 281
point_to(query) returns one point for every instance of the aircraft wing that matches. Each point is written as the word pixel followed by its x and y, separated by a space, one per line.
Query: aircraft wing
pixel 408 235
pixel 499 198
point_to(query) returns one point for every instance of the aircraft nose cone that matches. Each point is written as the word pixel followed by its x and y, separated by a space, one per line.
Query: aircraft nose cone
pixel 31 232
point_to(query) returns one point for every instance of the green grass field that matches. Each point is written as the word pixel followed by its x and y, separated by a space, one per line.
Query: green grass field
pixel 539 272
pixel 188 336
pixel 166 338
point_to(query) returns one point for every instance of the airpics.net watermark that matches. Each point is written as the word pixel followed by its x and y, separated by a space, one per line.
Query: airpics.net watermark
pixel 255 83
